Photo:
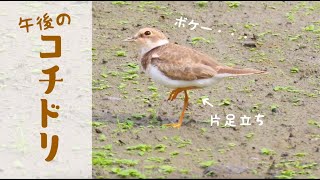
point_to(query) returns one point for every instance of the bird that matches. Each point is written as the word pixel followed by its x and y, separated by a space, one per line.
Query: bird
pixel 179 67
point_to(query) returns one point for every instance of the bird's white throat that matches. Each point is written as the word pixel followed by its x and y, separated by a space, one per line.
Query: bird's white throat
pixel 150 45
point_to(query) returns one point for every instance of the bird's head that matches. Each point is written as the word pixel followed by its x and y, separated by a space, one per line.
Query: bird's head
pixel 148 38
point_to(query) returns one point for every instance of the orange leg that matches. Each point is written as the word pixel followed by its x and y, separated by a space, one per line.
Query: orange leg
pixel 186 98
pixel 173 95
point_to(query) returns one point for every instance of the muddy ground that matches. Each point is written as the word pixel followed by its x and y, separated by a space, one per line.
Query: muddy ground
pixel 283 38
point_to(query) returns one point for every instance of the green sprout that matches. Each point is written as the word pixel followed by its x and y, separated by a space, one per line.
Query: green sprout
pixel 233 4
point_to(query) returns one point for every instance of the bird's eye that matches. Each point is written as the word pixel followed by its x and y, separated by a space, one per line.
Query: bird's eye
pixel 147 33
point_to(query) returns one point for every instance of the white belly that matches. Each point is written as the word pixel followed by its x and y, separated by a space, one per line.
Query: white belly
pixel 160 78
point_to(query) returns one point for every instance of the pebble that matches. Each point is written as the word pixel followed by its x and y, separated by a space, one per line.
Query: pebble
pixel 98 130
pixel 225 169
pixel 249 43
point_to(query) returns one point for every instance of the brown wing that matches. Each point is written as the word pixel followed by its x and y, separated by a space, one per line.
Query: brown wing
pixel 181 63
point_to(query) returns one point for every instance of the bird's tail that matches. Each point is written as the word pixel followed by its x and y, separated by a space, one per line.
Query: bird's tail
pixel 228 71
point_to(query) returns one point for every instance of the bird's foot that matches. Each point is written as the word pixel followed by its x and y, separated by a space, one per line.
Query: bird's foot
pixel 174 125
